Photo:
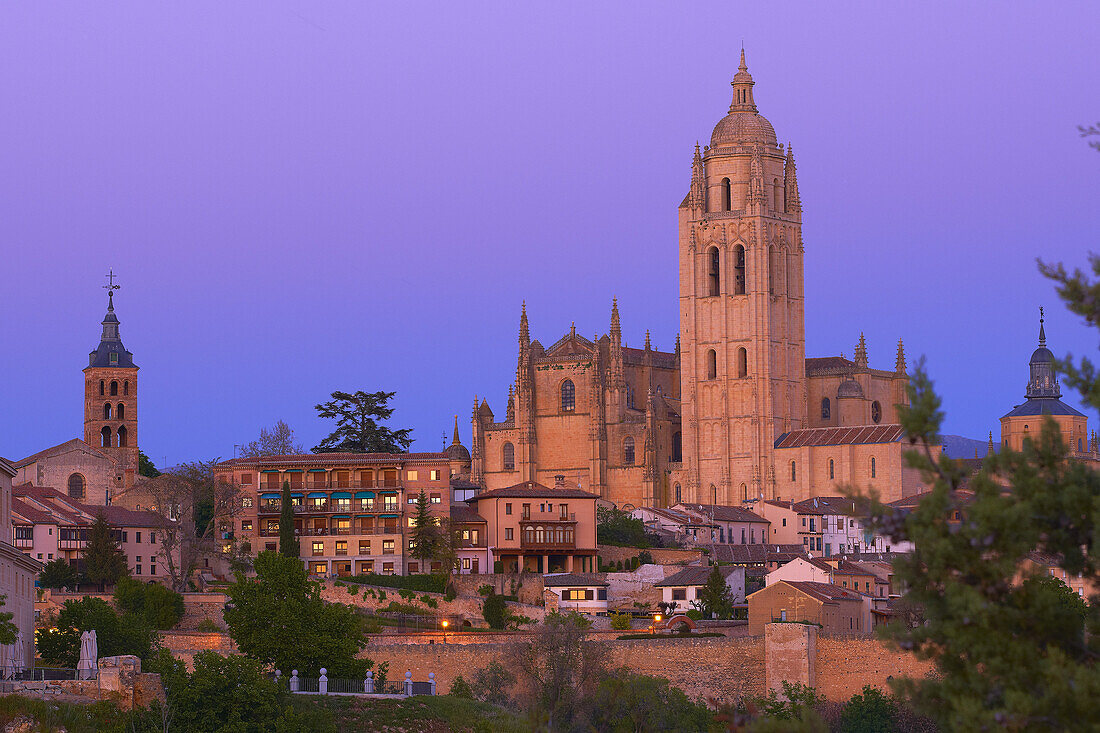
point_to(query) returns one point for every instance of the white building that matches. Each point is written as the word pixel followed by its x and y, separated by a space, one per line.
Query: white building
pixel 581 592
pixel 17 575
pixel 679 590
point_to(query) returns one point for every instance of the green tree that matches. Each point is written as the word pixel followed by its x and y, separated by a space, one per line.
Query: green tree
pixel 278 441
pixel 58 573
pixel 425 539
pixel 1008 654
pixel 161 607
pixel 494 610
pixel 104 560
pixel 8 629
pixel 357 429
pixel 493 683
pixel 617 527
pixel 626 702
pixel 116 634
pixel 288 541
pixel 869 711
pixel 715 597
pixel 146 467
pixel 280 619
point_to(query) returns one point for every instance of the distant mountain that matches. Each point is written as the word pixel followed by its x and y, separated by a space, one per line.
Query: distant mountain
pixel 956 446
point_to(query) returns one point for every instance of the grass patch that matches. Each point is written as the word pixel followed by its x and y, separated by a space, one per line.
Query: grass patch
pixel 431 714
pixel 100 717
pixel 419 583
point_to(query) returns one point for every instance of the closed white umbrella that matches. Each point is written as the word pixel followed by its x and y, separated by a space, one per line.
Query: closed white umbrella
pixel 89 652
pixel 9 663
pixel 17 661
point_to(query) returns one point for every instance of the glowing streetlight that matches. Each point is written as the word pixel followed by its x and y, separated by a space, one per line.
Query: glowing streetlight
pixel 446 623
pixel 656 620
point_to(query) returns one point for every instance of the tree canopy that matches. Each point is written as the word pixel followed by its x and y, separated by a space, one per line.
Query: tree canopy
pixel 714 599
pixel 278 441
pixel 104 560
pixel 426 540
pixel 357 417
pixel 288 541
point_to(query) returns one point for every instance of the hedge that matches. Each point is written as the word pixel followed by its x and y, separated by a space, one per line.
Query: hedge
pixel 419 583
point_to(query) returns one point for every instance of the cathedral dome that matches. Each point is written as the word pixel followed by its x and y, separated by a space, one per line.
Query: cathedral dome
pixel 739 128
pixel 849 388
pixel 1042 355
pixel 457 452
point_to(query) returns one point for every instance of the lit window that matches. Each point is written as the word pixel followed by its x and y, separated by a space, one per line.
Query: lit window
pixel 318 548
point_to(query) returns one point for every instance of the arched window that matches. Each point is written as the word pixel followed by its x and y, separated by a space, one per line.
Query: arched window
pixel 76 486
pixel 114 388
pixel 540 535
pixel 876 412
pixel 794 474
pixel 727 196
pixel 771 270
pixel 120 411
pixel 739 270
pixel 714 272
pixel 630 397
pixel 568 396
pixel 105 437
pixel 832 471
pixel 102 387
pixel 742 362
pixel 122 436
pixel 508 452
pixel 712 364
pixel 744 493
pixel 628 451
pixel 126 387
pixel 107 411
pixel 777 199
pixel 677 493
pixel 677 447
pixel 826 411
pixel 872 466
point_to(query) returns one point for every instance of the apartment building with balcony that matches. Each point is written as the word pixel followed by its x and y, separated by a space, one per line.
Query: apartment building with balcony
pixel 48 524
pixel 352 511
pixel 536 528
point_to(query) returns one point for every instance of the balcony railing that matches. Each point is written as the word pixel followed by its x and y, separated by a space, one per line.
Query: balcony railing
pixel 329 507
pixel 333 532
pixel 67 544
pixel 547 546
pixel 550 520
pixel 332 486
pixel 24 543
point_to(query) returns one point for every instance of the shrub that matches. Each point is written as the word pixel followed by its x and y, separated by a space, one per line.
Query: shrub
pixel 485 590
pixel 461 688
pixel 161 607
pixel 869 711
pixel 372 625
pixel 494 609
pixel 208 625
pixel 620 621
pixel 381 595
pixel 339 584
pixel 129 633
pixel 492 684
pixel 406 608
pixel 450 595
pixel 694 614
pixel 645 557
pixel 498 566
pixel 352 590
pixel 418 583
pixel 408 595
pixel 429 601
pixel 624 700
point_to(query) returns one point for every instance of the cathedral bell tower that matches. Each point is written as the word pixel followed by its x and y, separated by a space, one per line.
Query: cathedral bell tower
pixel 742 328
pixel 110 397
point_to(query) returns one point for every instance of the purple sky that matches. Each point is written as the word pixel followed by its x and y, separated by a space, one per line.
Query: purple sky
pixel 301 197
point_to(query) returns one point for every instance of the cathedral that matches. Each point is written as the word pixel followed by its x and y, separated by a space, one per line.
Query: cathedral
pixel 737 413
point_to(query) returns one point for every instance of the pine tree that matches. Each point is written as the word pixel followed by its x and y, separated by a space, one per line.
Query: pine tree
pixel 425 532
pixel 715 598
pixel 288 541
pixel 104 560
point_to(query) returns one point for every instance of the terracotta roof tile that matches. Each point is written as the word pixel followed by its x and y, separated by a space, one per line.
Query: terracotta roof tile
pixel 532 490
pixel 854 435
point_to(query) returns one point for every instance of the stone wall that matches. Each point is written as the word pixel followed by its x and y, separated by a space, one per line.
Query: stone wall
pixel 466 605
pixel 626 589
pixel 661 555
pixel 845 664
pixel 120 681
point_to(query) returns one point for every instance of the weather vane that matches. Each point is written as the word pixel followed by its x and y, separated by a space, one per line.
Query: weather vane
pixel 110 286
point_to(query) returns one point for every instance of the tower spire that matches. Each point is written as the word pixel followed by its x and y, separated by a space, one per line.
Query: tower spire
pixel 1042 331
pixel 524 332
pixel 899 365
pixel 861 352
pixel 616 327
pixel 455 440
pixel 742 88
pixel 790 182
pixel 990 451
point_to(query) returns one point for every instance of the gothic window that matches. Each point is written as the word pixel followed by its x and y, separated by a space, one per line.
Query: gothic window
pixel 120 411
pixel 742 362
pixel 76 486
pixel 628 451
pixel 677 447
pixel 677 493
pixel 712 364
pixel 509 455
pixel 794 474
pixel 114 388
pixel 122 437
pixel 568 396
pixel 826 411
pixel 876 412
pixel 739 270
pixel 714 272
pixel 630 397
pixel 727 196
pixel 105 437
pixel 778 197
pixel 102 386
pixel 126 387
pixel 744 493
pixel 832 470
pixel 872 467
pixel 107 411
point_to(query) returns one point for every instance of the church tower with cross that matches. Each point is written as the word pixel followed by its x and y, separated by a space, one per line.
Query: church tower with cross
pixel 110 397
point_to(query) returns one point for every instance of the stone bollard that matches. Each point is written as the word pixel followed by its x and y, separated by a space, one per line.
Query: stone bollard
pixel 431 683
pixel 322 682
pixel 368 683
pixel 408 684
pixel 294 681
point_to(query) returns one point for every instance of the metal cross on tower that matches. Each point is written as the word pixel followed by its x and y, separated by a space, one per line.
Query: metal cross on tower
pixel 110 286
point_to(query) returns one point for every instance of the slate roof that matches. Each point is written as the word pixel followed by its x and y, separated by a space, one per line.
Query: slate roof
pixel 532 490
pixel 754 554
pixel 466 515
pixel 827 505
pixel 693 575
pixel 825 592
pixel 1043 406
pixel 661 359
pixel 822 365
pixel 724 513
pixel 559 580
pixel 856 435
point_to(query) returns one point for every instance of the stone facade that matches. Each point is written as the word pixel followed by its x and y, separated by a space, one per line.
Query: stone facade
pixel 17 576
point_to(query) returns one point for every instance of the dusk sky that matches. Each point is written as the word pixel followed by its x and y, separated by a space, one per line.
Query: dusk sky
pixel 301 197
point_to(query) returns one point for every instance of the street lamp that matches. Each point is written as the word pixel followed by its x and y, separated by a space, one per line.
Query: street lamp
pixel 445 624
pixel 656 620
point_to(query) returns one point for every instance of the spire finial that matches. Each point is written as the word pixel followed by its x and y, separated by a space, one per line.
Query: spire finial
pixel 861 351
pixel 647 340
pixel 742 66
pixel 990 442
pixel 899 365
pixel 616 327
pixel 455 440
pixel 573 329
pixel 110 287
pixel 524 332
pixel 1042 330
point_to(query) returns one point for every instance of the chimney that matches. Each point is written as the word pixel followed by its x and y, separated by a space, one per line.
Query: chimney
pixel 559 481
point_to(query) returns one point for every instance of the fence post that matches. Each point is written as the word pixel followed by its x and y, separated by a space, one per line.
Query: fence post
pixel 431 683
pixel 294 681
pixel 368 683
pixel 322 682
pixel 408 684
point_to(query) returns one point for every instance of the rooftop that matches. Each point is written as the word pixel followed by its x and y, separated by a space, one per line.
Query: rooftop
pixel 861 434
pixel 560 580
pixel 694 575
pixel 533 490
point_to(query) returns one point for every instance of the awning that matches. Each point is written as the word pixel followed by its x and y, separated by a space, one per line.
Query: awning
pixel 316 494
pixel 341 495
pixel 270 470
pixel 318 470
pixel 270 496
pixel 364 494
pixel 294 470
pixel 364 516
pixel 387 516
pixel 388 492
pixel 296 495
pixel 341 516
